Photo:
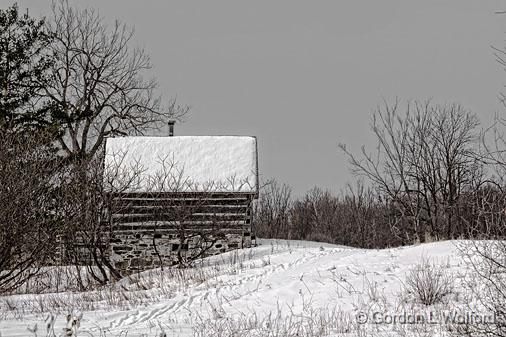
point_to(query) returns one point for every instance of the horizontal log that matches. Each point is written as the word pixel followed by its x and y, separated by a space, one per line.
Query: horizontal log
pixel 83 245
pixel 183 195
pixel 179 210
pixel 169 227
pixel 193 226
pixel 83 235
pixel 166 229
pixel 207 231
pixel 170 217
pixel 154 202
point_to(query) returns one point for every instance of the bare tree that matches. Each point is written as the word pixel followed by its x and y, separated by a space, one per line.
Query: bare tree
pixel 425 160
pixel 98 86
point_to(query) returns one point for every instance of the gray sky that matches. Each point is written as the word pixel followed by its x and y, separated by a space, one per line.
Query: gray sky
pixel 305 75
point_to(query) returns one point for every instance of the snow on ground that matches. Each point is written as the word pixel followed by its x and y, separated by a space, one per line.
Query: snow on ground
pixel 276 279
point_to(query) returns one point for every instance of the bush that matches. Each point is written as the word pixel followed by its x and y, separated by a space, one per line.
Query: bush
pixel 29 216
pixel 429 283
pixel 487 283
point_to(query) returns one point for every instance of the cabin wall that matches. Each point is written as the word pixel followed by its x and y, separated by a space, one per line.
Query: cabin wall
pixel 147 228
pixel 137 250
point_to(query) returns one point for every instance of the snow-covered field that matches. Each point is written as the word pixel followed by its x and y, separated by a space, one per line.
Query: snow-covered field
pixel 273 289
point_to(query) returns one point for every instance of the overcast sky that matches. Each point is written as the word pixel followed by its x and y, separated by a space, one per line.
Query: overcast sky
pixel 304 76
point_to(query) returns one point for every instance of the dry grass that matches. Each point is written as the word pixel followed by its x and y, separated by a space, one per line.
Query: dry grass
pixel 56 290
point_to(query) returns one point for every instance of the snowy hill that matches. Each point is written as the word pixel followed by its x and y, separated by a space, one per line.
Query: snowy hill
pixel 277 286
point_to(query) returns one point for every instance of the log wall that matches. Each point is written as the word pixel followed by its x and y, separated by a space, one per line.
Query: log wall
pixel 147 228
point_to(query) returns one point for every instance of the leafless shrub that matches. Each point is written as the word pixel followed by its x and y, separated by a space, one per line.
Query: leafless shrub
pixel 486 284
pixel 85 238
pixel 29 218
pixel 429 283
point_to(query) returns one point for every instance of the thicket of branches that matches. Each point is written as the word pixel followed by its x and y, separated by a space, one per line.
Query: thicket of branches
pixel 29 216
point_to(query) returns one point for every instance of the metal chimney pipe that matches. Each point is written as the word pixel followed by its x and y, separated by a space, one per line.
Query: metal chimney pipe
pixel 171 127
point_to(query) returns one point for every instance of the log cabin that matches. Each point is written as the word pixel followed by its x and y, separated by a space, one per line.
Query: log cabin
pixel 178 198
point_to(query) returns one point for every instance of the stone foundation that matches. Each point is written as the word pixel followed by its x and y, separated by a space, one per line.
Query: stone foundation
pixel 137 249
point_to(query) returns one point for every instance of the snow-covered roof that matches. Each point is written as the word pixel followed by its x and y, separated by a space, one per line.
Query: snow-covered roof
pixel 181 164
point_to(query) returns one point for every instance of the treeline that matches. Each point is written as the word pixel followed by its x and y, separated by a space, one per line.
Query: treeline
pixel 433 176
pixel 355 219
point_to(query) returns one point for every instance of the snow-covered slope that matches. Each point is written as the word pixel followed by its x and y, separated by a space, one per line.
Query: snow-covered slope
pixel 254 289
